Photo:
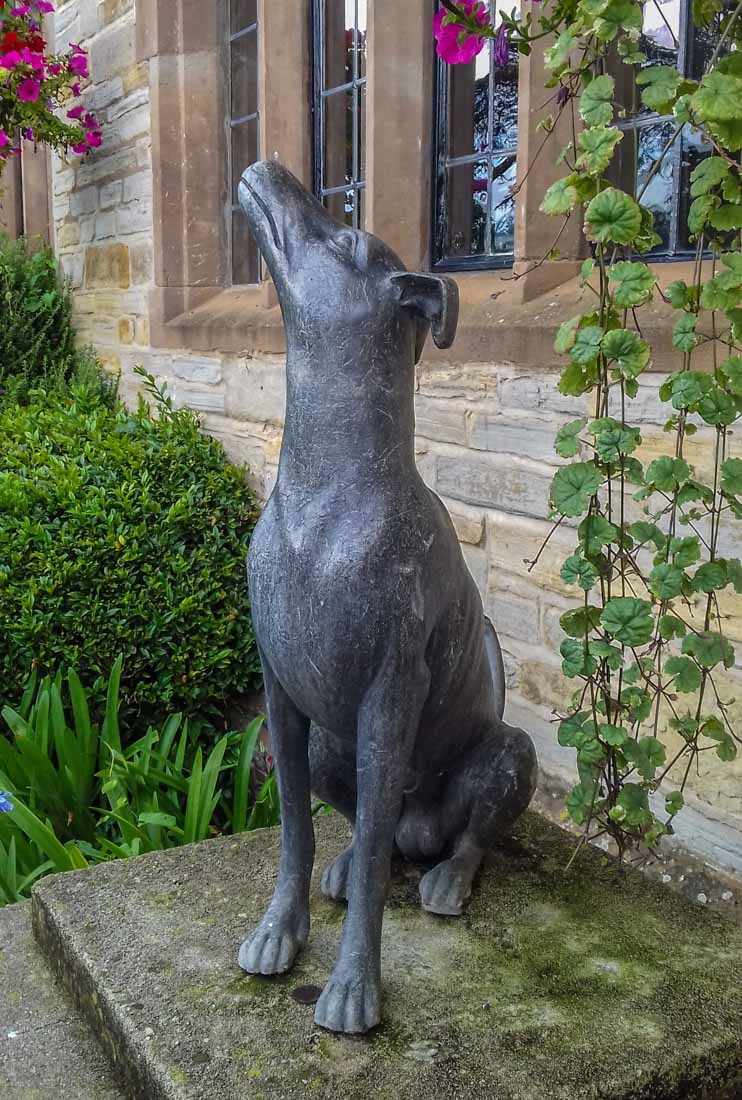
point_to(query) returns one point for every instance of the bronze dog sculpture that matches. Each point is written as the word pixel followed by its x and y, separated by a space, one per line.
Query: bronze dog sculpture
pixel 384 680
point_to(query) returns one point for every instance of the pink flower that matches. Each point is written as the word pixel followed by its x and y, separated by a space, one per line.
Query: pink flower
pixel 94 138
pixel 10 60
pixel 78 64
pixel 28 90
pixel 32 59
pixel 80 147
pixel 75 88
pixel 54 70
pixel 454 44
pixel 20 9
pixel 4 139
pixel 76 112
pixel 43 6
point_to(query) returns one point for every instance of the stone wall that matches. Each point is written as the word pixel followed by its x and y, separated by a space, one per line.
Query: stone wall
pixel 485 430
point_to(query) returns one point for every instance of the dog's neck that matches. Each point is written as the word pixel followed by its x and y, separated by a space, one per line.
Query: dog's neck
pixel 349 417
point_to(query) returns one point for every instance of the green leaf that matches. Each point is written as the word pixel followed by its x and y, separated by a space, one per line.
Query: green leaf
pixel 687 387
pixel 666 581
pixel 717 294
pixel 686 674
pixel 580 802
pixel 727 217
pixel 627 350
pixel 677 294
pixel 617 17
pixel 667 474
pixel 578 571
pixel 611 654
pixel 596 102
pixel 671 627
pixel 576 380
pixel 565 336
pixel 638 702
pixel 710 577
pixel 660 87
pixel 628 619
pixel 684 336
pixel 734 572
pixel 634 804
pixel 557 56
pixel 573 486
pixel 597 145
pixel 731 477
pixel 595 532
pixel 727 750
pixel 719 96
pixel 571 731
pixel 580 622
pixel 700 211
pixel 633 284
pixel 568 438
pixel 685 551
pixel 732 370
pixel 709 649
pixel 674 803
pixel 586 345
pixel 647 755
pixel 613 735
pixel 560 197
pixel 613 443
pixel 576 660
pixel 707 175
pixel 718 407
pixel 643 532
pixel 612 216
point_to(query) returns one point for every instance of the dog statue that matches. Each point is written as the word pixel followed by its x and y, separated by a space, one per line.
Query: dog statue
pixel 384 680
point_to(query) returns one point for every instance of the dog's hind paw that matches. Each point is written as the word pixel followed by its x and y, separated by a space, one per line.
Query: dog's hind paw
pixel 336 877
pixel 446 888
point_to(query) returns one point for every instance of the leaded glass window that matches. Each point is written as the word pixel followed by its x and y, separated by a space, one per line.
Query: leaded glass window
pixel 668 38
pixel 244 143
pixel 340 107
pixel 476 145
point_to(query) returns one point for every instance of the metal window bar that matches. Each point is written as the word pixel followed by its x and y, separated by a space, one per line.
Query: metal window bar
pixel 233 206
pixel 443 162
pixel 356 185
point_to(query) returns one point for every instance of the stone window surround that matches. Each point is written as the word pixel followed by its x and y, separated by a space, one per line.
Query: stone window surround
pixel 192 306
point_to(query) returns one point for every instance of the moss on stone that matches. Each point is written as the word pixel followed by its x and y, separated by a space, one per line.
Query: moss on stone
pixel 559 986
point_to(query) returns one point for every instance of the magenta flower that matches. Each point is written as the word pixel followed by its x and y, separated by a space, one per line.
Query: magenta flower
pixel 78 64
pixel 501 46
pixel 43 6
pixel 80 147
pixel 454 44
pixel 4 139
pixel 94 138
pixel 20 9
pixel 10 60
pixel 28 90
pixel 76 112
pixel 32 59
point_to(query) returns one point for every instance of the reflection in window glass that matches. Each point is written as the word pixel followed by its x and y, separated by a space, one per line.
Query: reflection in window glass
pixel 340 106
pixel 243 127
pixel 668 38
pixel 477 128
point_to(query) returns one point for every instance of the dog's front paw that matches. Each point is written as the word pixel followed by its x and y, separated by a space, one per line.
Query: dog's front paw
pixel 350 1002
pixel 275 943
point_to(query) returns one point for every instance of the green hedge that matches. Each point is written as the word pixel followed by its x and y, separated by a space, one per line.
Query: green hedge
pixel 123 534
pixel 37 341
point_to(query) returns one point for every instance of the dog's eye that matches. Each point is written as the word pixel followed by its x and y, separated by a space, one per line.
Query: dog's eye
pixel 344 244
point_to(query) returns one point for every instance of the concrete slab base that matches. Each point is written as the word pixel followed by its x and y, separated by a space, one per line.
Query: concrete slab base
pixel 554 986
pixel 46 1049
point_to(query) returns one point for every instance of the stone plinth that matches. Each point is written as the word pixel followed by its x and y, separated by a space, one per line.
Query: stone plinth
pixel 554 986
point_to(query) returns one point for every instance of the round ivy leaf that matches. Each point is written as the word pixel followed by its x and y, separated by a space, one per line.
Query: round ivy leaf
pixel 627 350
pixel 718 97
pixel 561 197
pixel 674 803
pixel 731 477
pixel 671 627
pixel 597 145
pixel 595 532
pixel 666 581
pixel 576 660
pixel 732 369
pixel 633 284
pixel 596 102
pixel 677 294
pixel 586 345
pixel 667 474
pixel 685 551
pixel 710 577
pixel 660 89
pixel 573 486
pixel 612 216
pixel 684 336
pixel 709 649
pixel 613 735
pixel 578 571
pixel 629 620
pixel 568 438
pixel 685 673
pixel 718 407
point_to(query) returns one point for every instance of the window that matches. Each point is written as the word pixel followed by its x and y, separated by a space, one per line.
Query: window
pixel 668 38
pixel 340 106
pixel 244 133
pixel 476 141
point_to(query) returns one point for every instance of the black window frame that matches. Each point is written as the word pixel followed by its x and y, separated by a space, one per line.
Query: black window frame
pixel 320 93
pixel 233 207
pixel 442 162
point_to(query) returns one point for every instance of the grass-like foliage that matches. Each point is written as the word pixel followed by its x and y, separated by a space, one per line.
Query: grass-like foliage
pixel 123 533
pixel 74 795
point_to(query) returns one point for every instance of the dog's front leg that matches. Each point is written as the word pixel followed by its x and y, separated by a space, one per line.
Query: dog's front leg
pixel 387 727
pixel 284 929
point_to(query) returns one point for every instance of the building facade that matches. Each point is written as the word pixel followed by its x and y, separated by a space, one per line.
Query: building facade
pixel 449 168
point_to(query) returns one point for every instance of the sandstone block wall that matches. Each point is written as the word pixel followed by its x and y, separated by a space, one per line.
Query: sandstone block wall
pixel 485 431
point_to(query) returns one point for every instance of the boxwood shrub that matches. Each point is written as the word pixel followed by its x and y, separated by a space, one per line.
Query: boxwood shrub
pixel 37 340
pixel 123 533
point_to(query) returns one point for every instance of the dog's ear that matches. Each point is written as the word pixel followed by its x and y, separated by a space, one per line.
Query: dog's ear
pixel 435 299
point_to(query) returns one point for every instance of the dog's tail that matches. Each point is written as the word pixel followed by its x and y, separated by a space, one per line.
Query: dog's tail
pixel 497 667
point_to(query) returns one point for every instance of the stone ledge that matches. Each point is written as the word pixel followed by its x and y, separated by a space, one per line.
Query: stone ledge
pixel 560 986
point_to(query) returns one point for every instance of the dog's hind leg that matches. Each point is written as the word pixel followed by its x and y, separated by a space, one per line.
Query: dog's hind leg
pixel 487 790
pixel 332 762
